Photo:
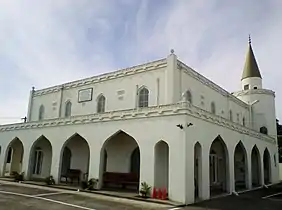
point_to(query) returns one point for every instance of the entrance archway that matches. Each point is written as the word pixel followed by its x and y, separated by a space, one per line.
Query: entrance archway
pixel 240 167
pixel 120 162
pixel 266 166
pixel 40 158
pixel 161 178
pixel 256 167
pixel 198 170
pixel 219 173
pixel 74 164
pixel 14 157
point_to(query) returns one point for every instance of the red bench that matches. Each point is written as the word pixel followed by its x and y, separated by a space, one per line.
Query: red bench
pixel 122 179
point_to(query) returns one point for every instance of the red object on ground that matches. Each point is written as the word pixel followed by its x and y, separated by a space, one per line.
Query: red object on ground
pixel 154 195
pixel 160 194
pixel 164 194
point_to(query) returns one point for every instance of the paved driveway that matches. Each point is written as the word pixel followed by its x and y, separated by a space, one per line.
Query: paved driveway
pixel 262 199
pixel 19 197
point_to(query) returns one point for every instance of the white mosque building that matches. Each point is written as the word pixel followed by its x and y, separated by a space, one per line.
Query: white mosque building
pixel 160 122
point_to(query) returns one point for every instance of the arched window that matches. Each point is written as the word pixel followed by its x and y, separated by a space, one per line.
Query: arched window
pixel 41 113
pixel 188 96
pixel 143 98
pixel 101 102
pixel 230 116
pixel 244 123
pixel 68 109
pixel 263 130
pixel 213 110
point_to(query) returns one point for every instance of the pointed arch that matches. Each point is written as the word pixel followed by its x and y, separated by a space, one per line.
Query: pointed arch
pixel 240 167
pixel 13 157
pixel 219 167
pixel 161 178
pixel 41 112
pixel 101 103
pixel 40 158
pixel 256 167
pixel 143 97
pixel 68 107
pixel 119 156
pixel 213 108
pixel 78 160
pixel 267 166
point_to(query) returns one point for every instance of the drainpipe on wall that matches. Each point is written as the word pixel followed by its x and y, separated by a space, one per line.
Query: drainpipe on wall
pixel 30 103
pixel 61 100
pixel 158 91
pixel 136 97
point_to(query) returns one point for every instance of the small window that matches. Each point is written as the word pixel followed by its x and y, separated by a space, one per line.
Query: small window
pixel 68 109
pixel 255 87
pixel 244 123
pixel 238 117
pixel 101 102
pixel 246 87
pixel 143 99
pixel 263 130
pixel 230 115
pixel 188 96
pixel 41 113
pixel 213 110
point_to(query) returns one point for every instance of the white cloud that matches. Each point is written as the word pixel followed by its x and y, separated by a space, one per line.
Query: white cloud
pixel 49 42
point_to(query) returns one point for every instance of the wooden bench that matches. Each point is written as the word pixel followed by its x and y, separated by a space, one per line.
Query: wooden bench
pixel 72 174
pixel 122 179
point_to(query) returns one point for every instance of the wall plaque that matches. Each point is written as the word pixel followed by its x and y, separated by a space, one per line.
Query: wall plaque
pixel 85 95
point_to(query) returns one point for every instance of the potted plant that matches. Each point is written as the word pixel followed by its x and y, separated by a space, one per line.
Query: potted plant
pixel 92 184
pixel 18 177
pixel 145 190
pixel 50 180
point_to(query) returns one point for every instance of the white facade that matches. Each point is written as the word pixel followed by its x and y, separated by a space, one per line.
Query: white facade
pixel 133 117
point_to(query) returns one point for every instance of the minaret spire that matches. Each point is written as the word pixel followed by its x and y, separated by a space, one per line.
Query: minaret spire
pixel 251 68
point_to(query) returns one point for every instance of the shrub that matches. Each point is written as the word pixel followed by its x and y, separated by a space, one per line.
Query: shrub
pixel 50 180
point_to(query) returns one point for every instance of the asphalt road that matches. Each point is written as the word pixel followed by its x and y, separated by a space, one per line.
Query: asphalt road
pixel 17 197
pixel 261 199
pixel 21 197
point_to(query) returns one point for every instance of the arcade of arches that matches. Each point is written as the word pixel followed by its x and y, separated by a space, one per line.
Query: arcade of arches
pixel 120 160
pixel 219 168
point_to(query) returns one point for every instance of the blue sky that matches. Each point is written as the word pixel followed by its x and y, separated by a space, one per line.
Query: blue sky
pixel 49 42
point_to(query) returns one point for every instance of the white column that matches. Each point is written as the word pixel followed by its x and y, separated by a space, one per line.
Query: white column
pixel 55 167
pixel 189 172
pixel 147 163
pixel 230 172
pixel 26 160
pixel 249 171
pixel 96 164
pixel 205 172
pixel 261 168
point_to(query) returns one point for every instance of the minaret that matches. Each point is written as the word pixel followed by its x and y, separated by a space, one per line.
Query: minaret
pixel 251 77
pixel 261 114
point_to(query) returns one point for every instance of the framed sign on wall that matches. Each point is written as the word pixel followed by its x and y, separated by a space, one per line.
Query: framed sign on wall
pixel 85 95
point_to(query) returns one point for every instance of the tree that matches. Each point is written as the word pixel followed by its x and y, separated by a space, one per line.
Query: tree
pixel 279 139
